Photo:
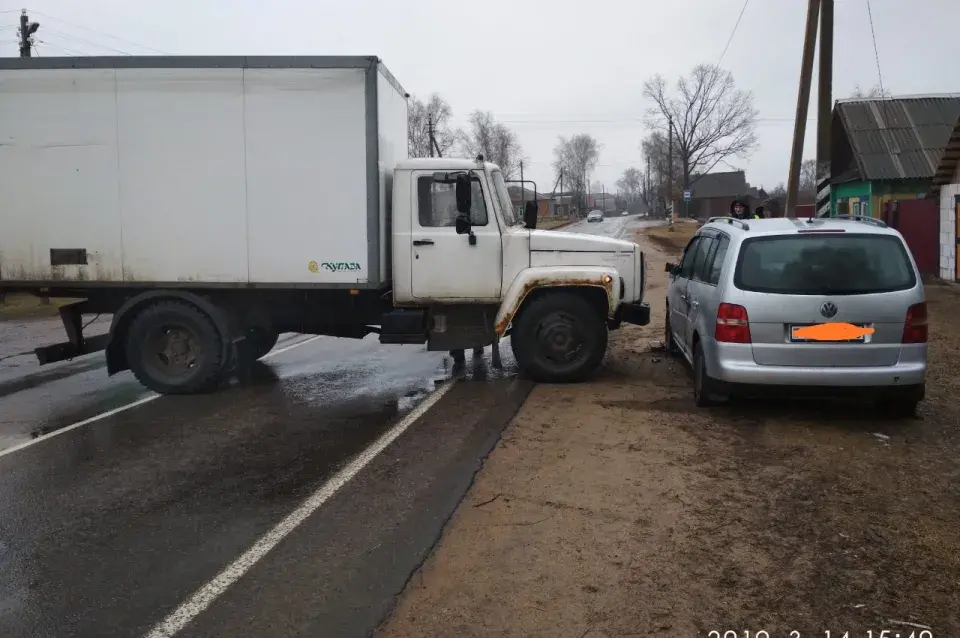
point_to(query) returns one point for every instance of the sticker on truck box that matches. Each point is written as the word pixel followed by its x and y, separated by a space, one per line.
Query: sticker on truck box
pixel 333 266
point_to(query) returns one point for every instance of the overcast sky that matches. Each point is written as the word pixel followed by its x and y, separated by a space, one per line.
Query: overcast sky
pixel 546 67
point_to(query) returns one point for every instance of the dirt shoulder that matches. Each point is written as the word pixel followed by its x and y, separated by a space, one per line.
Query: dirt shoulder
pixel 617 508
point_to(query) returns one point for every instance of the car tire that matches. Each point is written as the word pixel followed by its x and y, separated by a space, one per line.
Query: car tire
pixel 705 392
pixel 543 329
pixel 898 408
pixel 191 360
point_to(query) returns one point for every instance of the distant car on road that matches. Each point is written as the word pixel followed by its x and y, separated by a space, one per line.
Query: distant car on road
pixel 624 213
pixel 595 216
pixel 813 307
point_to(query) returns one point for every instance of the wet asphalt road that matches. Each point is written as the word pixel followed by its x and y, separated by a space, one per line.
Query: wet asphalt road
pixel 107 528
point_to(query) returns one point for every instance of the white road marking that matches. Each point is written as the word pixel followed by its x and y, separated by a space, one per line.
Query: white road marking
pixel 206 595
pixel 123 408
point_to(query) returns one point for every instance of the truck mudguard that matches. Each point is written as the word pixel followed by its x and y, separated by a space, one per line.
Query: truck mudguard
pixel 530 279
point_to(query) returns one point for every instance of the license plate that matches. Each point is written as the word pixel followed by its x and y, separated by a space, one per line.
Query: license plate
pixel 829 333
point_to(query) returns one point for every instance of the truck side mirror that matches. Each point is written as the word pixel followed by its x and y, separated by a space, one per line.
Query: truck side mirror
pixel 464 195
pixel 530 215
pixel 462 224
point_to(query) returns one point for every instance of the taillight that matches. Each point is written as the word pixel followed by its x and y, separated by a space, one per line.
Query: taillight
pixel 733 325
pixel 915 325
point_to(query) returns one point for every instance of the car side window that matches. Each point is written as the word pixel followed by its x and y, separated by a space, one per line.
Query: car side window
pixel 714 272
pixel 700 268
pixel 689 257
pixel 437 203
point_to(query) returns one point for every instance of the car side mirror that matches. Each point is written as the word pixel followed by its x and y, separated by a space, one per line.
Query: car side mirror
pixel 530 215
pixel 669 267
pixel 464 195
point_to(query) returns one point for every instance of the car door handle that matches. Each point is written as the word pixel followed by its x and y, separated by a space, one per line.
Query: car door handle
pixel 683 297
pixel 695 303
pixel 423 242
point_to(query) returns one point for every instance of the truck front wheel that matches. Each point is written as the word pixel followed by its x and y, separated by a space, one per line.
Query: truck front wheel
pixel 559 338
pixel 174 348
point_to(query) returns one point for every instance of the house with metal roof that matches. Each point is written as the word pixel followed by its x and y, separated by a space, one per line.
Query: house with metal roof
pixel 945 190
pixel 887 149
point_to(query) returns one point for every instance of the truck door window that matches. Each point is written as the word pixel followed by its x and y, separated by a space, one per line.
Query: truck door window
pixel 437 204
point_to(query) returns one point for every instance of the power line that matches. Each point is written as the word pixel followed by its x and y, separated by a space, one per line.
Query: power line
pixel 876 51
pixel 60 48
pixel 68 36
pixel 734 32
pixel 101 34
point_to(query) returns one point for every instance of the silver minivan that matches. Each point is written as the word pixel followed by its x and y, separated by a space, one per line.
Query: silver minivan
pixel 817 307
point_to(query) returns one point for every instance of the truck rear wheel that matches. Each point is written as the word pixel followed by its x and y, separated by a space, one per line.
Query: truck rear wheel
pixel 174 348
pixel 559 338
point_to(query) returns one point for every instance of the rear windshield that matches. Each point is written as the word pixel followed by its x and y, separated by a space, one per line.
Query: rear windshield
pixel 835 264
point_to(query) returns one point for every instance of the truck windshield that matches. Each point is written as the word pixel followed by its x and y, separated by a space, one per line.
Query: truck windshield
pixel 510 216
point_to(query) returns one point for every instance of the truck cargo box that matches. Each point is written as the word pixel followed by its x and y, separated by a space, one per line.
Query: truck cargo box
pixel 198 171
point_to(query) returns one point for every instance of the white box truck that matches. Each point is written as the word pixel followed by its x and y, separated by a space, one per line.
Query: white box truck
pixel 212 203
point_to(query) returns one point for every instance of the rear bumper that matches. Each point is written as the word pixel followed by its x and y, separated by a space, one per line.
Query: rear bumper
pixel 636 313
pixel 733 364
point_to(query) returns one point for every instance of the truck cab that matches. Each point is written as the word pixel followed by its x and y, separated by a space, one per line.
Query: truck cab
pixel 469 270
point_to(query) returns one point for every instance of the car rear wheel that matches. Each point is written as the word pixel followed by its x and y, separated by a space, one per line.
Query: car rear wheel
pixel 898 408
pixel 705 392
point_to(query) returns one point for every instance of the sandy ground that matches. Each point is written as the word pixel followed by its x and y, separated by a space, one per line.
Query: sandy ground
pixel 617 508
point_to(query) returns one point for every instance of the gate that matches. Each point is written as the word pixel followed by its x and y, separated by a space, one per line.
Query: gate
pixel 918 220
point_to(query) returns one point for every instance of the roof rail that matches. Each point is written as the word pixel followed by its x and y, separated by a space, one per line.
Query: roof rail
pixel 873 221
pixel 726 219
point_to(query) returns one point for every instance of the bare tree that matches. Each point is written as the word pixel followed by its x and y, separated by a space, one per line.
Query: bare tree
pixel 495 141
pixel 778 192
pixel 576 157
pixel 630 183
pixel 712 119
pixel 808 176
pixel 418 126
pixel 872 93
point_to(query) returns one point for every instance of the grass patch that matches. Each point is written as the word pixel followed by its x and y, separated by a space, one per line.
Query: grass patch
pixel 671 241
pixel 550 224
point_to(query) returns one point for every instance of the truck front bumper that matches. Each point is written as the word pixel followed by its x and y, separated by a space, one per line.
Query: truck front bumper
pixel 632 312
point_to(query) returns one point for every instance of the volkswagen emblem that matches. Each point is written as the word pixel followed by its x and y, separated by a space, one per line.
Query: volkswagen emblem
pixel 829 310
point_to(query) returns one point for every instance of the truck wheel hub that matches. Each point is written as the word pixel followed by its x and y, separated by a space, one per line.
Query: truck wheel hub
pixel 560 337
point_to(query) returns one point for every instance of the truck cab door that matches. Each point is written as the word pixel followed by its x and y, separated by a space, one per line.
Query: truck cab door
pixel 444 265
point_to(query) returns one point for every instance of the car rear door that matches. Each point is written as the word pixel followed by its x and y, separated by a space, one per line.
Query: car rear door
pixel 802 279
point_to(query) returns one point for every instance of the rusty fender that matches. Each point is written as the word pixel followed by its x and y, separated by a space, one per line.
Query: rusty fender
pixel 530 279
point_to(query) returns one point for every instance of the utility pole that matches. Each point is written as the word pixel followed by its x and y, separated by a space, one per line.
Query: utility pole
pixel 27 29
pixel 430 131
pixel 824 109
pixel 561 189
pixel 803 106
pixel 669 196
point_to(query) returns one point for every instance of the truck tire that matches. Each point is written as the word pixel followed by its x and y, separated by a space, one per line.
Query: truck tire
pixel 263 341
pixel 559 338
pixel 174 348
